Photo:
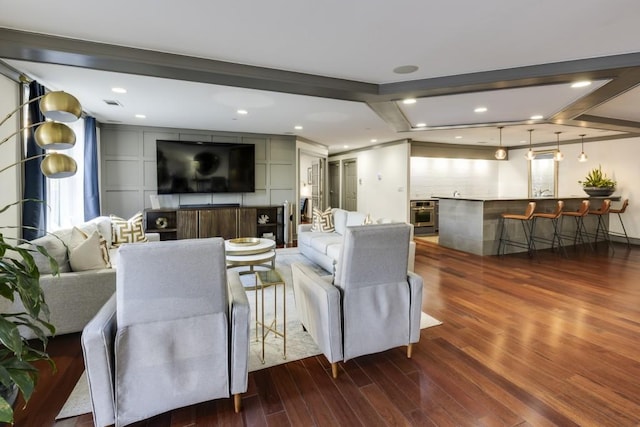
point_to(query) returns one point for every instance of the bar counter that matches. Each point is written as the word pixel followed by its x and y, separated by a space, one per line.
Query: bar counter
pixel 471 224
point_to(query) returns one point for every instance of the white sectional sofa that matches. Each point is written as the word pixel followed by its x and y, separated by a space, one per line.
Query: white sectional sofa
pixel 73 297
pixel 324 248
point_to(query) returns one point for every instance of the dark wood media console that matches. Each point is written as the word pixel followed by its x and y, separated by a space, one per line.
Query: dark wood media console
pixel 228 222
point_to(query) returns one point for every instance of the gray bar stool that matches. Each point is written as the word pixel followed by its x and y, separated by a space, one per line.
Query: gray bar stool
pixel 526 220
pixel 554 217
pixel 578 216
pixel 620 211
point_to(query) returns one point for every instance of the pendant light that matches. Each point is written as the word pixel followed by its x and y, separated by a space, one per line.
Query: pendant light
pixel 501 153
pixel 558 156
pixel 582 157
pixel 530 154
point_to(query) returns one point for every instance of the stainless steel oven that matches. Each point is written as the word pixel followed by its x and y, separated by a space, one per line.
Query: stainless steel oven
pixel 423 213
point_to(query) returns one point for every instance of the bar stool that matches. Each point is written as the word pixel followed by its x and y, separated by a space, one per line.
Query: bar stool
pixel 526 221
pixel 578 216
pixel 600 213
pixel 620 211
pixel 554 217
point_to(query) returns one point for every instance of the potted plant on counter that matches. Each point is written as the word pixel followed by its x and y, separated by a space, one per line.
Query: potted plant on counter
pixel 597 183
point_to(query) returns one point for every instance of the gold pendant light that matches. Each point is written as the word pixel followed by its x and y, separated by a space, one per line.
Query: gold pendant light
pixel 57 165
pixel 530 154
pixel 55 136
pixel 582 157
pixel 558 156
pixel 60 106
pixel 501 153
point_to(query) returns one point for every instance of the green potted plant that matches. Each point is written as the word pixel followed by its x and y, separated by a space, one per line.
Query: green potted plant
pixel 19 278
pixel 597 183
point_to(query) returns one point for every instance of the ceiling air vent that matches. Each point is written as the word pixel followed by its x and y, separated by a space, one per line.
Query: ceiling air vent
pixel 112 102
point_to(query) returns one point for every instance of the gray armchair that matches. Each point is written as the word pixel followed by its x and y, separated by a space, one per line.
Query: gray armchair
pixel 372 304
pixel 175 333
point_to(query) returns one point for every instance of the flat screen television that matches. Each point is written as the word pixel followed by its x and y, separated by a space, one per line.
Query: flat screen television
pixel 205 167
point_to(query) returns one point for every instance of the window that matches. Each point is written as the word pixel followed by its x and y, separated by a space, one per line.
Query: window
pixel 65 197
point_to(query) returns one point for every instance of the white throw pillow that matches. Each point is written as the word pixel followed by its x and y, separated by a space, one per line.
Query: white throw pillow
pixel 88 252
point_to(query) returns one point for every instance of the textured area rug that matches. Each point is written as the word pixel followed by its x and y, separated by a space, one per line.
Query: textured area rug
pixel 299 343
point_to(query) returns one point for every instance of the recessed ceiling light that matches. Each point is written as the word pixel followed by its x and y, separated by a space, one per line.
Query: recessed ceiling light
pixel 537 117
pixel 118 90
pixel 345 146
pixel 243 112
pixel 406 69
pixel 421 125
pixel 298 127
pixel 583 83
pixel 458 137
pixel 374 140
pixel 409 101
pixel 480 110
pixel 140 116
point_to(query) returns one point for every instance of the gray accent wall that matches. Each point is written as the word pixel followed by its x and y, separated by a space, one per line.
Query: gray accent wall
pixel 128 168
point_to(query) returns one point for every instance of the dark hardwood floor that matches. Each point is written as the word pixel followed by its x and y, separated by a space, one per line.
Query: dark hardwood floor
pixel 553 341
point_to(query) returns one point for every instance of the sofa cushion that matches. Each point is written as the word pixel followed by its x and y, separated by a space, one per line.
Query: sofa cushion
pixel 355 218
pixel 321 243
pixel 340 220
pixel 127 230
pixel 103 223
pixel 55 247
pixel 88 252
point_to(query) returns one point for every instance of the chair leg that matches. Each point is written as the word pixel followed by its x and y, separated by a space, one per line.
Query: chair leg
pixel 624 231
pixel 409 350
pixel 237 402
pixel 334 369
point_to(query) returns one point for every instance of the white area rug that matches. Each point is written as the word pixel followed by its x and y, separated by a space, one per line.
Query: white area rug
pixel 299 343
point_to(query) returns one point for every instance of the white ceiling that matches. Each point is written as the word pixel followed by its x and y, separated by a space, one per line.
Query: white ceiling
pixel 468 54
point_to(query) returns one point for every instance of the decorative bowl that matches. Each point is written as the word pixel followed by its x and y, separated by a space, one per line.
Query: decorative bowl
pixel 599 191
pixel 244 241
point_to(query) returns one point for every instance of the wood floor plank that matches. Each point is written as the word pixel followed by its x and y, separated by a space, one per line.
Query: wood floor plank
pixel 552 341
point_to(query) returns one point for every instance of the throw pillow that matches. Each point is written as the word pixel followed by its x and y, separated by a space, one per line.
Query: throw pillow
pixel 54 246
pixel 88 252
pixel 323 221
pixel 127 230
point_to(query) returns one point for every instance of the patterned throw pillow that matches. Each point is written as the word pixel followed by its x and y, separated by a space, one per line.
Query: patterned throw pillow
pixel 88 251
pixel 323 221
pixel 127 230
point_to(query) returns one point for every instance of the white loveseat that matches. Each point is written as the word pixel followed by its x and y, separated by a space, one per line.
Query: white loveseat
pixel 73 297
pixel 324 248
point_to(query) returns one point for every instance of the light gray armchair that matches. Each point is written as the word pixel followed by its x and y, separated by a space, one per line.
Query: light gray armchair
pixel 373 304
pixel 175 333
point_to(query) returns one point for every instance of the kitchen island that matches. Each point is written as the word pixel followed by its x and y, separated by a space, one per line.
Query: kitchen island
pixel 472 224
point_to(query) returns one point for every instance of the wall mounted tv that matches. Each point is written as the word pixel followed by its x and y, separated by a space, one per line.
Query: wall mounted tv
pixel 205 167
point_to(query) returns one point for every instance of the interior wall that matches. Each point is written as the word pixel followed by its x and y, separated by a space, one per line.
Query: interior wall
pixel 383 180
pixel 432 177
pixel 9 154
pixel 129 176
pixel 618 159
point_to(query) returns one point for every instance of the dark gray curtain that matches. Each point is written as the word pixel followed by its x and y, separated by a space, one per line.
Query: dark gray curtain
pixel 91 191
pixel 34 213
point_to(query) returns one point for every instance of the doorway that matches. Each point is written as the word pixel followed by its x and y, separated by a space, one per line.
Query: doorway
pixel 312 184
pixel 350 185
pixel 334 184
